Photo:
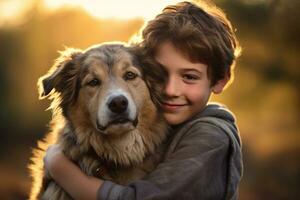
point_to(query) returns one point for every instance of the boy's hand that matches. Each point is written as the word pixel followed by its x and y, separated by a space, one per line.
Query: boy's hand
pixel 69 176
pixel 54 155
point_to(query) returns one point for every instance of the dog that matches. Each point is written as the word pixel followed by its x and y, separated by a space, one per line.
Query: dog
pixel 104 117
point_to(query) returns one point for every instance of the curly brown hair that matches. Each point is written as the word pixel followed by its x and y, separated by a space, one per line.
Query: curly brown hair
pixel 200 31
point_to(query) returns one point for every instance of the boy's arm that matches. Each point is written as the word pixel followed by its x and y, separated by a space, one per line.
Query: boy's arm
pixel 205 165
pixel 77 184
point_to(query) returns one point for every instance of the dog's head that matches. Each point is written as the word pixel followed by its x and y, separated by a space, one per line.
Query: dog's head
pixel 102 87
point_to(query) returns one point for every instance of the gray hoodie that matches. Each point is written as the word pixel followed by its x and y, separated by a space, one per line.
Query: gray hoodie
pixel 203 161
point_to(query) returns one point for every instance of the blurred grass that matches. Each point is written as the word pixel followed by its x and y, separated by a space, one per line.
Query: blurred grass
pixel 265 95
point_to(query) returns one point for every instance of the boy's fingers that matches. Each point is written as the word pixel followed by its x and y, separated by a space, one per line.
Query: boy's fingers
pixel 51 152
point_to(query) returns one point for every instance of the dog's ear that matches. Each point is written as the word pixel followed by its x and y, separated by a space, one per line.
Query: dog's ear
pixel 53 80
pixel 154 74
pixel 46 83
pixel 155 77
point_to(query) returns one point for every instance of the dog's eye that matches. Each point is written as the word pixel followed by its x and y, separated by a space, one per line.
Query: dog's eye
pixel 93 82
pixel 130 76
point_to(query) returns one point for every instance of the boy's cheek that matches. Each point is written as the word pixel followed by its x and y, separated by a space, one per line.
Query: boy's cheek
pixel 198 95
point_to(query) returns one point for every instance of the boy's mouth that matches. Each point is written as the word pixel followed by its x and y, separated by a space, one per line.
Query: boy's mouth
pixel 172 107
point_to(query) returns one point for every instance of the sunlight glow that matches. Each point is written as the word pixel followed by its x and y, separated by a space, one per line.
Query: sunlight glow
pixel 114 8
pixel 12 9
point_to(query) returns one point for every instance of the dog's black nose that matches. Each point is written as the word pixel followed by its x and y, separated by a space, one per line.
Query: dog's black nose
pixel 118 104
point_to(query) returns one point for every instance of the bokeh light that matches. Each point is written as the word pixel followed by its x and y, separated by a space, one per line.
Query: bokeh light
pixel 265 95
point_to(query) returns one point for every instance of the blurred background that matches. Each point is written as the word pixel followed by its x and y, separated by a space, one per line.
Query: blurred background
pixel 265 95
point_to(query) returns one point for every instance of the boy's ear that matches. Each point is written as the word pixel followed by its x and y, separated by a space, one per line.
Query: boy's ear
pixel 220 85
pixel 53 78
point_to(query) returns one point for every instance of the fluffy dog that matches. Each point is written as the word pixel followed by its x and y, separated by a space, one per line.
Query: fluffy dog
pixel 103 117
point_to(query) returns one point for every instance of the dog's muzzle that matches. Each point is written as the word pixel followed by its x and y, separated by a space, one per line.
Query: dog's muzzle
pixel 117 121
pixel 119 114
pixel 118 104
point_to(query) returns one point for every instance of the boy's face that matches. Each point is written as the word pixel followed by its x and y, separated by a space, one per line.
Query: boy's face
pixel 187 88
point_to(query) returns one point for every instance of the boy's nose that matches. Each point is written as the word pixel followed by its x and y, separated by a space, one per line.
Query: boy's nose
pixel 172 88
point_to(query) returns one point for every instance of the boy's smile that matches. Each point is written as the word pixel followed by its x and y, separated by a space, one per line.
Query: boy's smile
pixel 172 107
pixel 188 87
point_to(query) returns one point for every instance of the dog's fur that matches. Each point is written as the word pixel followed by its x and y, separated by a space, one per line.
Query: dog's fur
pixel 82 85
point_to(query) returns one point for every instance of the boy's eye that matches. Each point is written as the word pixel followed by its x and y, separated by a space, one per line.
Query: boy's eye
pixel 94 82
pixel 190 77
pixel 130 76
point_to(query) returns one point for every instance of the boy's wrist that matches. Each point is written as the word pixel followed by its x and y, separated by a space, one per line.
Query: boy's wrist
pixel 72 179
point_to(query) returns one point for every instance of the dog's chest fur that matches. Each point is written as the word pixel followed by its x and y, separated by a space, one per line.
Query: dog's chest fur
pixel 104 166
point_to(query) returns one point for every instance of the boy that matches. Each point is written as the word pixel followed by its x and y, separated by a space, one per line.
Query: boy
pixel 196 46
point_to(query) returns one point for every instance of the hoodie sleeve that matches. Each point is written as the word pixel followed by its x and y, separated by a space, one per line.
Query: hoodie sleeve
pixel 196 167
